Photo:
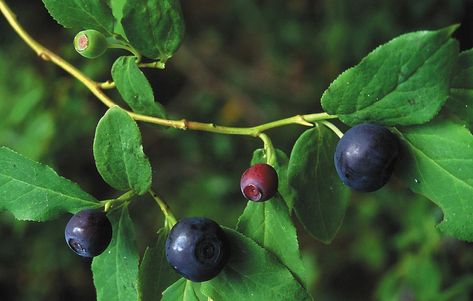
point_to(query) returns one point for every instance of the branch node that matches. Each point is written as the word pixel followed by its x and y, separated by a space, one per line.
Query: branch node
pixel 185 124
pixel 44 56
pixel 303 121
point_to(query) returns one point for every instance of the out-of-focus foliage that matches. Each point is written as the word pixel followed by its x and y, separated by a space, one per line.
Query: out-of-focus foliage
pixel 241 63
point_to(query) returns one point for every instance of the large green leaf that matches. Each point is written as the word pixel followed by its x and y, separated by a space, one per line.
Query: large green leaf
pixel 183 290
pixel 155 272
pixel 321 198
pixel 438 163
pixel 253 274
pixel 33 191
pixel 403 82
pixel 119 154
pixel 460 102
pixel 135 88
pixel 154 27
pixel 269 224
pixel 116 270
pixel 90 14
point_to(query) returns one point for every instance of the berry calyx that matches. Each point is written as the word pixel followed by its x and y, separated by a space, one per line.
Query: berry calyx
pixel 259 183
pixel 90 43
pixel 365 157
pixel 88 233
pixel 197 248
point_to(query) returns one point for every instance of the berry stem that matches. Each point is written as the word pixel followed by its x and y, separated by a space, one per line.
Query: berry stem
pixel 333 127
pixel 183 124
pixel 108 204
pixel 268 149
pixel 170 219
pixel 119 44
pixel 155 65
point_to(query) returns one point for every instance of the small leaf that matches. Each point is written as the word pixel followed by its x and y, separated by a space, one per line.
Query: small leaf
pixel 269 224
pixel 119 154
pixel 403 82
pixel 252 274
pixel 155 272
pixel 321 198
pixel 154 27
pixel 116 270
pixel 437 164
pixel 33 191
pixel 460 102
pixel 117 10
pixel 183 290
pixel 79 14
pixel 135 88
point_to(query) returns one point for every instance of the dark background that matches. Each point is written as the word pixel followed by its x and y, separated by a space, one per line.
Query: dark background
pixel 242 63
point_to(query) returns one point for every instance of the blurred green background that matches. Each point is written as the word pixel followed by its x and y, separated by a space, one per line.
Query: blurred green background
pixel 242 63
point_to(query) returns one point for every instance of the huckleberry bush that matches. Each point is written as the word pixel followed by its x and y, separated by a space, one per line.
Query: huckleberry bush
pixel 402 103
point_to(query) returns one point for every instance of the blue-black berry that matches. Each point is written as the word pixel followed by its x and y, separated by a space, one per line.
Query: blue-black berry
pixel 88 233
pixel 259 182
pixel 197 248
pixel 365 157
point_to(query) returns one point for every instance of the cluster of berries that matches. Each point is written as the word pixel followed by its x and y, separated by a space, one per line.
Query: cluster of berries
pixel 197 247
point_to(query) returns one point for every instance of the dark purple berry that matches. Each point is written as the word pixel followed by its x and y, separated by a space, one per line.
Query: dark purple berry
pixel 88 233
pixel 259 182
pixel 365 157
pixel 197 248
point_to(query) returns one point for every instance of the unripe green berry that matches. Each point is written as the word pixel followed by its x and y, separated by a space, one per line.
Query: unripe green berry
pixel 90 43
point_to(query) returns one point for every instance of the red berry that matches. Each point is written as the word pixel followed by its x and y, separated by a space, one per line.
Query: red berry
pixel 259 182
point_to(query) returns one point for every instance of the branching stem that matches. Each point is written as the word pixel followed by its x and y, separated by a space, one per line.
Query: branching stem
pixel 183 124
pixel 107 85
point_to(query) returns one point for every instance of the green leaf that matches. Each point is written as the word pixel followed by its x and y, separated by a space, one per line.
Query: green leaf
pixel 183 290
pixel 117 10
pixel 116 270
pixel 321 198
pixel 135 88
pixel 155 272
pixel 80 14
pixel 154 27
pixel 33 191
pixel 437 163
pixel 460 102
pixel 403 82
pixel 119 154
pixel 269 224
pixel 415 274
pixel 252 274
